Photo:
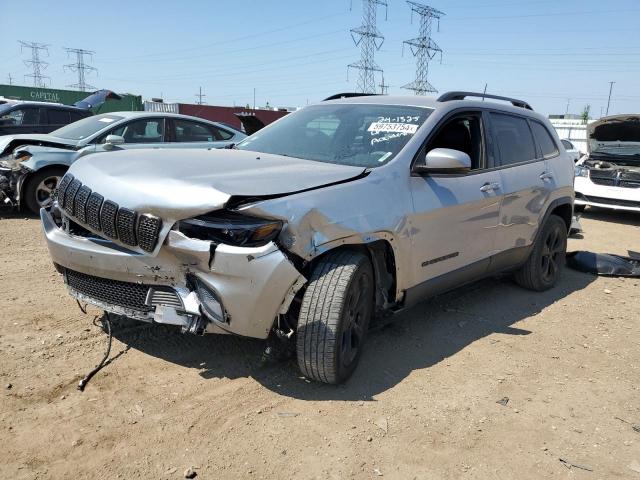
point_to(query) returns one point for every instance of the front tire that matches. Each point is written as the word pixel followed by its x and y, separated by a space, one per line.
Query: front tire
pixel 334 316
pixel 542 269
pixel 39 188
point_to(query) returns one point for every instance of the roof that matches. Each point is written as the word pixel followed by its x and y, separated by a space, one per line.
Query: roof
pixel 145 114
pixel 432 102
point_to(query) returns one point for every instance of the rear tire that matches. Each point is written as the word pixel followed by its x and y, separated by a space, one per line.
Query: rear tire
pixel 39 188
pixel 334 316
pixel 542 269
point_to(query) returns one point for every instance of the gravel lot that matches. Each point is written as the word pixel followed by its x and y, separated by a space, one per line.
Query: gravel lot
pixel 424 403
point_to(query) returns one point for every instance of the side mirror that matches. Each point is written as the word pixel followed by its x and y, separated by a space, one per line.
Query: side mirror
pixel 111 141
pixel 114 139
pixel 443 160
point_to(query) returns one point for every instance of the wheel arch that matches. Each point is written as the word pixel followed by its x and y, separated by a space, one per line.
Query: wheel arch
pixel 24 180
pixel 380 250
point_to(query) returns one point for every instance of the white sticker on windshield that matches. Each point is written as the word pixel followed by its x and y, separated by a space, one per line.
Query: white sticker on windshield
pixel 378 127
pixel 107 120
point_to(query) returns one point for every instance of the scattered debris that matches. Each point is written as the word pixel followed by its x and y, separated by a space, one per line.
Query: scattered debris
pixel 634 426
pixel 377 472
pixel 287 414
pixel 607 291
pixel 369 438
pixel 382 424
pixel 635 466
pixel 190 473
pixel 569 464
pixel 605 264
pixel 503 401
pixel 9 386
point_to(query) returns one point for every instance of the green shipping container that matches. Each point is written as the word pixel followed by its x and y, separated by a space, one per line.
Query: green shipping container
pixel 69 97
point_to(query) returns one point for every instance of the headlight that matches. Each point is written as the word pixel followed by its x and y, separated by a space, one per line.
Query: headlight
pixel 581 171
pixel 231 228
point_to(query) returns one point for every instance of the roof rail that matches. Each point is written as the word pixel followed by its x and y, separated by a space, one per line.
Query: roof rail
pixel 348 95
pixel 445 97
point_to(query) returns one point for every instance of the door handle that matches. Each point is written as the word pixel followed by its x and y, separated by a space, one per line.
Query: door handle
pixel 489 187
pixel 546 176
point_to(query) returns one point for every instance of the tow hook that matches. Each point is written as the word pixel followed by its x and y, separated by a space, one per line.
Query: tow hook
pixel 196 326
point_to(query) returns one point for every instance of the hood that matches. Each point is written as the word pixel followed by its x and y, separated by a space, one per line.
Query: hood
pixel 615 135
pixel 175 183
pixel 9 142
pixel 250 122
pixel 96 99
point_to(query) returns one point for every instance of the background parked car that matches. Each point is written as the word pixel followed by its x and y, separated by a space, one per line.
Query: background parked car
pixel 32 165
pixel 42 117
pixel 570 148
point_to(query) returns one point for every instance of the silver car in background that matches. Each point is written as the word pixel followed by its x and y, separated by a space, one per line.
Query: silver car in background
pixel 31 165
pixel 307 229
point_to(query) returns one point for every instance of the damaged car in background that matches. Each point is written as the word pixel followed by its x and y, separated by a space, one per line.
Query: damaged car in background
pixel 609 175
pixel 31 166
pixel 334 214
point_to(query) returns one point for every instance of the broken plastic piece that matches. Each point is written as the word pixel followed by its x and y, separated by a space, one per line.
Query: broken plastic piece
pixel 605 264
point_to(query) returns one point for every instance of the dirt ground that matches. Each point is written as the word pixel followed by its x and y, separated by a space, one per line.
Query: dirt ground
pixel 423 403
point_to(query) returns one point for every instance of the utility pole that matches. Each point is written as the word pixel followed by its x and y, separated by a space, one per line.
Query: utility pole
pixel 10 80
pixel 609 101
pixel 38 65
pixel 567 110
pixel 423 48
pixel 81 68
pixel 200 96
pixel 369 39
pixel 254 98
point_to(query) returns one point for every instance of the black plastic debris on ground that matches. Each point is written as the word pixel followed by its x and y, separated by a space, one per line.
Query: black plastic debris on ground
pixel 605 264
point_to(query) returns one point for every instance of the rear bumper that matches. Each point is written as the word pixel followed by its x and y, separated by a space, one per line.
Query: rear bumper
pixel 253 285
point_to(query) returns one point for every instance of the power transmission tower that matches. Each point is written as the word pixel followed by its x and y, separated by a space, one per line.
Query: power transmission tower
pixel 38 65
pixel 369 39
pixel 423 48
pixel 200 96
pixel 80 67
pixel 384 88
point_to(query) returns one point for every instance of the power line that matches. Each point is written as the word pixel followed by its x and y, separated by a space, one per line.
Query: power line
pixel 423 48
pixel 38 65
pixel 80 67
pixel 369 39
pixel 200 96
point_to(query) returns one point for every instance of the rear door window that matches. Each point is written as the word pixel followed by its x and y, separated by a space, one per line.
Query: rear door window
pixel 187 131
pixel 514 138
pixel 544 139
pixel 58 117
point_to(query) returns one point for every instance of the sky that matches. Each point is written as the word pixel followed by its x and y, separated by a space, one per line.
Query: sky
pixel 552 53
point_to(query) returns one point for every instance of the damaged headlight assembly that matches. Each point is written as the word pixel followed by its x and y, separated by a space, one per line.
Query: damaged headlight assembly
pixel 581 171
pixel 231 228
pixel 13 161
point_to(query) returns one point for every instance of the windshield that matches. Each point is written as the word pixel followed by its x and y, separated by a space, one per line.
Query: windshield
pixel 86 127
pixel 349 134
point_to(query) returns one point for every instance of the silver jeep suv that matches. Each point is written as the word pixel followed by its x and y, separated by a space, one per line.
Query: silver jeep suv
pixel 304 231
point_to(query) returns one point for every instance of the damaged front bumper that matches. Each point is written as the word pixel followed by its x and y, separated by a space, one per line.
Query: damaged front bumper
pixel 225 289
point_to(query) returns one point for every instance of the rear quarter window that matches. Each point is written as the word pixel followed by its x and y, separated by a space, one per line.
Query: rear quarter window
pixel 544 139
